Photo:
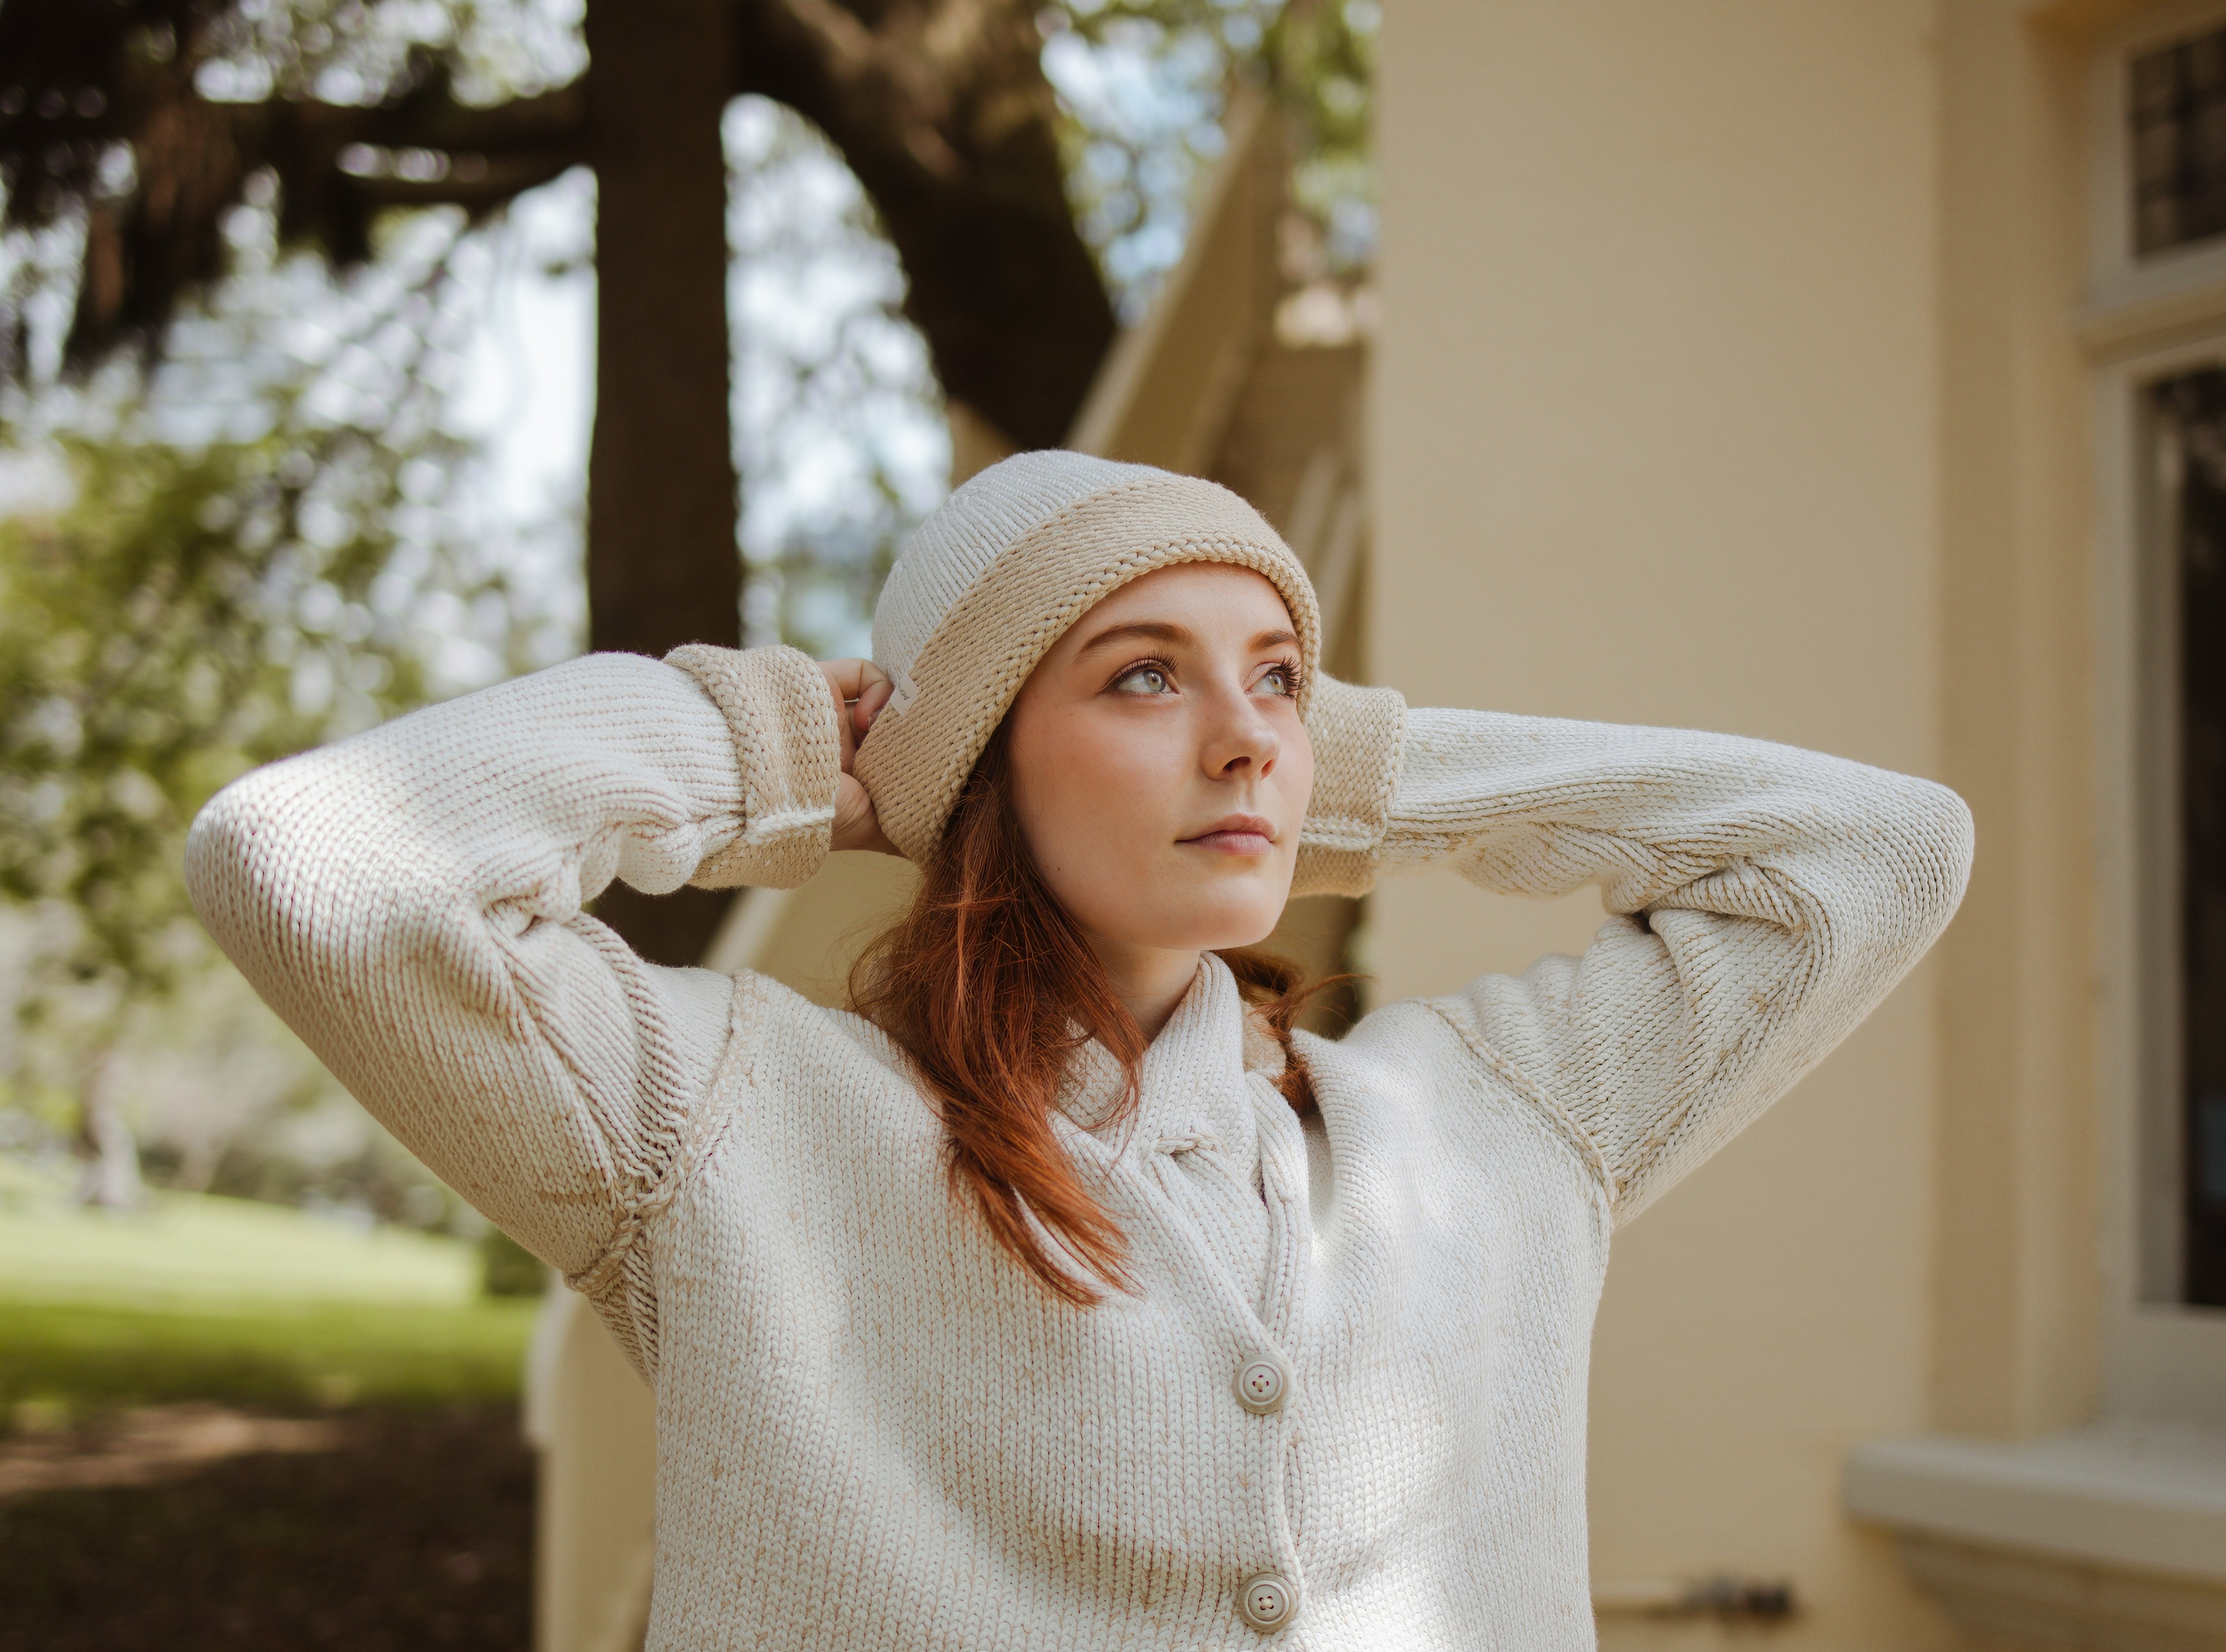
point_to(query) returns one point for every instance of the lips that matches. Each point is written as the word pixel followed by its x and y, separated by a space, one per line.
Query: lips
pixel 1236 835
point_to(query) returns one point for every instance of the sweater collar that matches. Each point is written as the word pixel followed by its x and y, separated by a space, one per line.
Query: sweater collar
pixel 1193 1088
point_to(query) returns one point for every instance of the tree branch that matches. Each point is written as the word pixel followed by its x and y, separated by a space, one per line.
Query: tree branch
pixel 547 121
pixel 941 108
pixel 553 122
pixel 895 87
pixel 338 165
pixel 477 189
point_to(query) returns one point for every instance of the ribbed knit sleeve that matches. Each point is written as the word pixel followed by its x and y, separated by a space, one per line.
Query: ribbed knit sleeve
pixel 1760 901
pixel 410 902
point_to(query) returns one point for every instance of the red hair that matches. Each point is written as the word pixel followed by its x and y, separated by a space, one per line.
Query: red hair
pixel 991 990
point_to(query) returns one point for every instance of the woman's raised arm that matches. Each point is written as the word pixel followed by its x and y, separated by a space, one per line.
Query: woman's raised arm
pixel 1761 900
pixel 409 900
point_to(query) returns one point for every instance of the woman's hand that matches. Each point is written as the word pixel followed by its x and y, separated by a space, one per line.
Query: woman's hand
pixel 860 688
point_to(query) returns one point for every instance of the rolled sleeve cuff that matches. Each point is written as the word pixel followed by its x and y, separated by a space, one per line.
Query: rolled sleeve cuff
pixel 1357 735
pixel 776 704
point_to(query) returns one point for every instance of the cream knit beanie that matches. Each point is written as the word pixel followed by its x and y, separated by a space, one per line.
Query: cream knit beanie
pixel 986 585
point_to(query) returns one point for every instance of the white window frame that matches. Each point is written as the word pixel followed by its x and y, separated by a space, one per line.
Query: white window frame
pixel 2145 320
pixel 2131 298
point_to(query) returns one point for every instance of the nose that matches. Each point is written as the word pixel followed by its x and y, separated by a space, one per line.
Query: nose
pixel 1241 741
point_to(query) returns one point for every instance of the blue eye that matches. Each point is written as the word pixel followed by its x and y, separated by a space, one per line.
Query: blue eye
pixel 1144 679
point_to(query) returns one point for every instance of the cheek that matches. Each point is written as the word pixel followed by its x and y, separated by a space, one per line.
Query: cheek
pixel 1295 772
pixel 1092 790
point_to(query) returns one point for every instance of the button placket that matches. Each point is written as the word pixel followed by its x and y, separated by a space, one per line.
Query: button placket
pixel 1264 1442
pixel 1290 1236
pixel 1261 1334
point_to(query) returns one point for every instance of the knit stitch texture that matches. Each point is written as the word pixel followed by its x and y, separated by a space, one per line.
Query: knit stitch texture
pixel 875 1430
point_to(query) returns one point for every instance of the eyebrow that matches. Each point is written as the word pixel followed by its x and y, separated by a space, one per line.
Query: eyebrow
pixel 1161 630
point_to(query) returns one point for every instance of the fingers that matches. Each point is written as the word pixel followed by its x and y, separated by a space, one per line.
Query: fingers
pixel 856 826
pixel 852 678
pixel 875 695
pixel 861 689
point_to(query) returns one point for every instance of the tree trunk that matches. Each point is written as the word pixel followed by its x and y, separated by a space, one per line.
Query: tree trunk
pixel 109 1155
pixel 663 566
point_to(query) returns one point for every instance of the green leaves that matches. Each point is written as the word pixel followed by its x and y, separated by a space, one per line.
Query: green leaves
pixel 191 615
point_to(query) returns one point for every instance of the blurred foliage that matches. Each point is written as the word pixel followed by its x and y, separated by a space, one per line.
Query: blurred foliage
pixel 1144 83
pixel 256 549
pixel 839 435
pixel 191 615
pixel 1322 61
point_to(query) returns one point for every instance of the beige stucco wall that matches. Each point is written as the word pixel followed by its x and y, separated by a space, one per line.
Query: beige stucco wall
pixel 1655 425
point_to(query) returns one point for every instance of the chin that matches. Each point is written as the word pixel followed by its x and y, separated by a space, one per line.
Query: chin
pixel 1250 934
pixel 1186 912
pixel 1213 930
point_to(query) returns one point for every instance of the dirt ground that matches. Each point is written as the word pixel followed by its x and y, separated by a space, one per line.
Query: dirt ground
pixel 193 1528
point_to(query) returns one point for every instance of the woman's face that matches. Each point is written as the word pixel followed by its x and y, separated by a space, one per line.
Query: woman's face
pixel 1159 769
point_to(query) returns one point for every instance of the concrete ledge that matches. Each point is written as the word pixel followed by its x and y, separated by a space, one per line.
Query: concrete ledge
pixel 2112 1538
pixel 2151 1497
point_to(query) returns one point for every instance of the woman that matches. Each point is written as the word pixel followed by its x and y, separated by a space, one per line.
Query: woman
pixel 1060 1298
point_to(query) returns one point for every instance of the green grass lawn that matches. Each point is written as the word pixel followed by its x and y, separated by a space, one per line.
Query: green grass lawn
pixel 213 1299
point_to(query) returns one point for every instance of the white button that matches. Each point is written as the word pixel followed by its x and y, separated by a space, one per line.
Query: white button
pixel 1261 1387
pixel 1266 1602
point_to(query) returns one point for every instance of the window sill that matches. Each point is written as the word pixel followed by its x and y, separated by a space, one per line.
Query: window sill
pixel 2142 311
pixel 2112 1536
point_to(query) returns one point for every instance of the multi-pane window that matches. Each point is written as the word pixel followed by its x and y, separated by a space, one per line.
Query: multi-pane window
pixel 2192 791
pixel 2177 109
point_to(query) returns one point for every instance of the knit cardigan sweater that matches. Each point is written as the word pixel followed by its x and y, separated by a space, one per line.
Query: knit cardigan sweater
pixel 875 1430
